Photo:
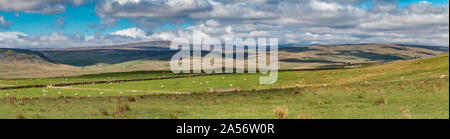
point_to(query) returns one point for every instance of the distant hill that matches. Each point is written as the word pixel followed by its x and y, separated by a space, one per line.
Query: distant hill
pixel 19 63
pixel 8 56
pixel 324 55
pixel 153 46
pixel 291 55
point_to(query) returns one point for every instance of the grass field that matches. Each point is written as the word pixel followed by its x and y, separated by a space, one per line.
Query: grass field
pixel 85 78
pixel 403 89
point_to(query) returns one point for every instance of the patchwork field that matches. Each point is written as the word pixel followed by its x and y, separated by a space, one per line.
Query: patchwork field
pixel 402 89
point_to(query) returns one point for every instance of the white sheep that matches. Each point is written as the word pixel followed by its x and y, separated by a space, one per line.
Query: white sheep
pixel 76 94
pixel 44 94
pixel 101 93
pixel 59 93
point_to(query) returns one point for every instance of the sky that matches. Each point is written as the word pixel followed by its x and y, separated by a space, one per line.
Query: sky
pixel 81 23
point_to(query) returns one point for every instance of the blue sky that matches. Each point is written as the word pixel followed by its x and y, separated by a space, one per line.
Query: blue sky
pixel 159 20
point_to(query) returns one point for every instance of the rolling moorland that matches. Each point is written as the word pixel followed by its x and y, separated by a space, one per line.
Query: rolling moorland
pixel 150 56
pixel 406 82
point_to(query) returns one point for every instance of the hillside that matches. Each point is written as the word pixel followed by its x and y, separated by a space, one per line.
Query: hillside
pixel 14 56
pixel 290 56
pixel 19 63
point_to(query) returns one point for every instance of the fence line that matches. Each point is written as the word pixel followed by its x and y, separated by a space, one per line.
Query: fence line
pixel 143 79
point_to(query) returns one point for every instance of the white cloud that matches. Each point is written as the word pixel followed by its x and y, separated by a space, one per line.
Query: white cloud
pixel 149 8
pixel 131 32
pixel 4 23
pixel 37 6
pixel 292 21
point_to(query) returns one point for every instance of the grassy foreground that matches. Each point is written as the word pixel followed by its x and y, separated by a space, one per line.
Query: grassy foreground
pixel 426 98
pixel 405 89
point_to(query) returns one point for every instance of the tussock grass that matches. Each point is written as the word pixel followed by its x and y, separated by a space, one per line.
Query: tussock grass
pixel 281 113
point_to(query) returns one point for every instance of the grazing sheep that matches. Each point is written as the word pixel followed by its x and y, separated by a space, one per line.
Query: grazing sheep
pixel 402 77
pixel 324 85
pixel 162 86
pixel 101 93
pixel 443 76
pixel 121 92
pixel 201 83
pixel 44 94
pixel 76 94
pixel 59 93
pixel 231 85
pixel 8 95
pixel 88 95
pixel 193 81
pixel 44 91
pixel 207 82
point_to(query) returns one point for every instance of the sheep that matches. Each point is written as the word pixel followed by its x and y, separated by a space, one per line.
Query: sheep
pixel 101 93
pixel 162 86
pixel 59 93
pixel 8 95
pixel 121 92
pixel 443 76
pixel 76 94
pixel 231 85
pixel 44 94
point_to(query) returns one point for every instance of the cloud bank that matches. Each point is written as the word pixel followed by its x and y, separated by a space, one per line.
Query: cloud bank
pixel 292 21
